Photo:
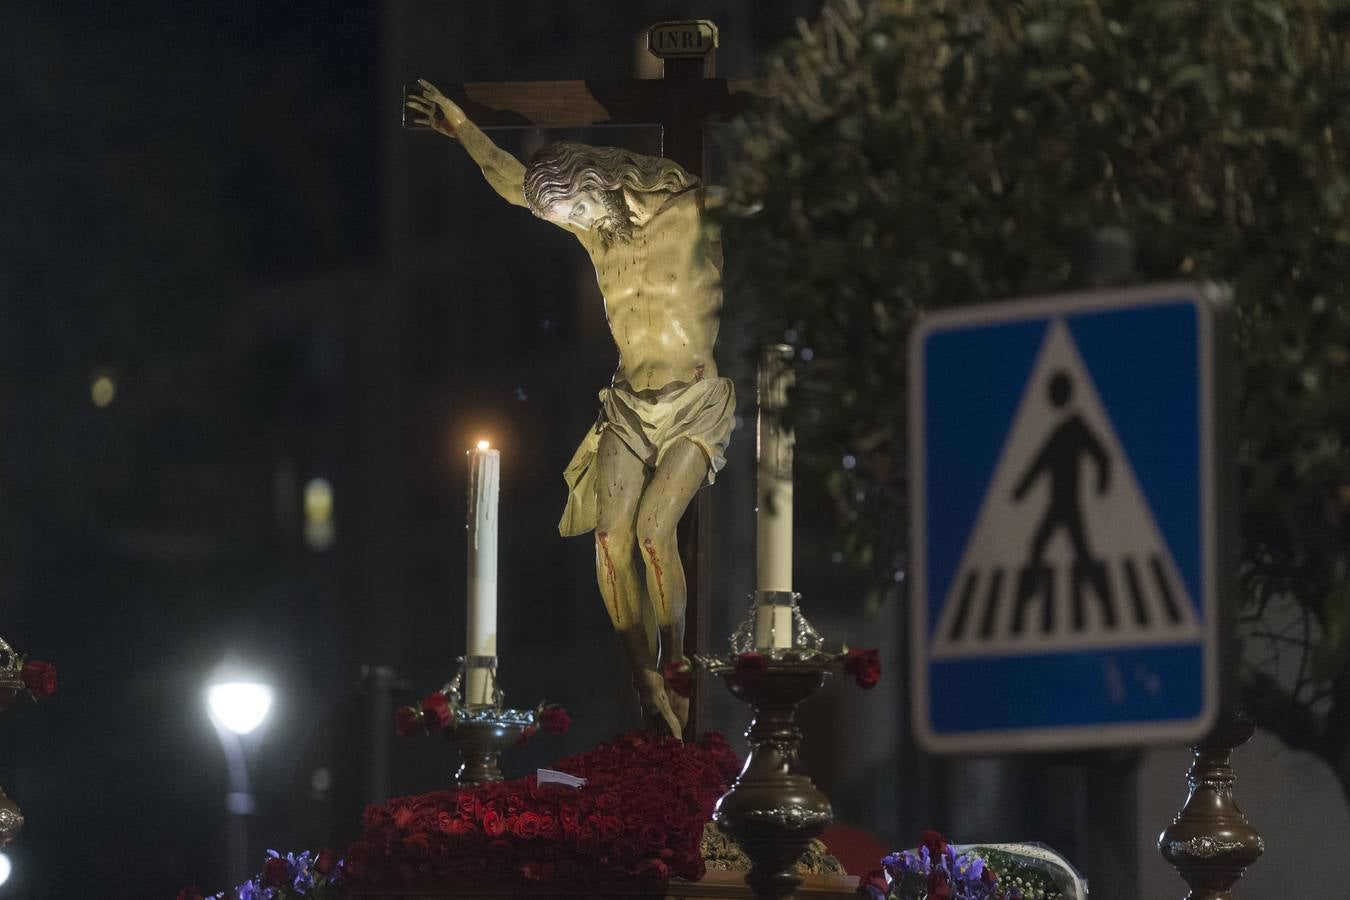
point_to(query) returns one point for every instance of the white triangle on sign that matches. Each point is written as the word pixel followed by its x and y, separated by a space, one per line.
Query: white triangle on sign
pixel 1065 553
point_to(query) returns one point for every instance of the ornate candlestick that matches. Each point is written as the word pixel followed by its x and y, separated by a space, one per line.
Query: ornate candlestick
pixel 774 810
pixel 1210 842
pixel 480 732
pixel 36 680
pixel 11 686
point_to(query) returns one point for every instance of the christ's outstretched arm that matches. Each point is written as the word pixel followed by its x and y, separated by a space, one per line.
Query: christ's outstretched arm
pixel 503 171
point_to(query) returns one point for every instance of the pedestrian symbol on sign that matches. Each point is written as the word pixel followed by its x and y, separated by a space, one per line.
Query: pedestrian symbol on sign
pixel 1058 461
pixel 1065 552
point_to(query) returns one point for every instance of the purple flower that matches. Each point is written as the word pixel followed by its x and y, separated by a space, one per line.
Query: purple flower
pixel 302 873
pixel 253 890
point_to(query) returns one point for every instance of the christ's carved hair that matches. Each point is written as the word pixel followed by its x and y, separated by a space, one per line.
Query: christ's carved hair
pixel 563 169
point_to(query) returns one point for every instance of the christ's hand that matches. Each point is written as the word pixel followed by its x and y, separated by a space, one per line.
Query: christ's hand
pixel 435 110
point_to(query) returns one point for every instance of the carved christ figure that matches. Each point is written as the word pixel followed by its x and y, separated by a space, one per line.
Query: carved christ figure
pixel 666 417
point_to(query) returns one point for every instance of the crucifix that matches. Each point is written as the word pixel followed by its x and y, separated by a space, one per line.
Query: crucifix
pixel 667 416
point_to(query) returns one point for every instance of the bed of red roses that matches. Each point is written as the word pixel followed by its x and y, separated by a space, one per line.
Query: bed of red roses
pixel 640 815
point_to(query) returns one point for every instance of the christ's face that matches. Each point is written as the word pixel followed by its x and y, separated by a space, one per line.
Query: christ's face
pixel 584 210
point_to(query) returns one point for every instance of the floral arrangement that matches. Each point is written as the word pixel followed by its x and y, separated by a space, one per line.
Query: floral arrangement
pixel 939 870
pixel 863 665
pixel 39 678
pixel 317 877
pixel 33 677
pixel 437 712
pixel 639 816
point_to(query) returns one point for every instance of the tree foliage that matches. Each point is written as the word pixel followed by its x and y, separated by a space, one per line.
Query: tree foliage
pixel 922 154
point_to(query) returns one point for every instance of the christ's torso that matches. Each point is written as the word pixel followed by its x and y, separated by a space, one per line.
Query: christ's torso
pixel 663 296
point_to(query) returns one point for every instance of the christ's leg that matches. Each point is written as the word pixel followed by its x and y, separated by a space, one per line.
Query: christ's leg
pixel 621 477
pixel 681 472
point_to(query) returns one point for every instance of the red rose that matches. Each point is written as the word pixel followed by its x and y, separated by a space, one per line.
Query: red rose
pixel 873 885
pixel 679 677
pixel 276 872
pixel 989 876
pixel 555 720
pixel 39 677
pixel 652 836
pixel 864 666
pixel 468 805
pixel 526 733
pixel 750 666
pixel 608 827
pixel 191 892
pixel 526 826
pixel 494 825
pixel 326 862
pixel 462 828
pixel 586 843
pixel 407 721
pixel 653 869
pixel 437 711
pixel 935 842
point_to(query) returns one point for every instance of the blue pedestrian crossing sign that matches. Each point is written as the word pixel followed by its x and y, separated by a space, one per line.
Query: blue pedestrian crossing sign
pixel 1065 538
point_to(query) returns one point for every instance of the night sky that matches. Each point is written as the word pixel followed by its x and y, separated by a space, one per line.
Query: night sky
pixel 162 161
pixel 198 213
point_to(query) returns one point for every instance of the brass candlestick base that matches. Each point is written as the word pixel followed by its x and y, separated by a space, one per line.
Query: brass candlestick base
pixel 1210 842
pixel 774 810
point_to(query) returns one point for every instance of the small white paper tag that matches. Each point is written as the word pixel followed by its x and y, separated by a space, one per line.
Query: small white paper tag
pixel 551 776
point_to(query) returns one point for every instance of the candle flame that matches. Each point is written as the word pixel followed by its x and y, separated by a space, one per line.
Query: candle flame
pixel 483 445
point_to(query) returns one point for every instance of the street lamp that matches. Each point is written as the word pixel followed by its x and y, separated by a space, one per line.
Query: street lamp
pixel 239 706
pixel 238 709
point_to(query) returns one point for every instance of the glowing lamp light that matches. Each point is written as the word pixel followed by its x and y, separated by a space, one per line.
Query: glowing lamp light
pixel 5 868
pixel 102 391
pixel 320 529
pixel 239 706
pixel 318 500
pixel 484 445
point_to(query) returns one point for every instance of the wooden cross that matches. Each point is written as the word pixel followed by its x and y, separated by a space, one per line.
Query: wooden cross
pixel 685 99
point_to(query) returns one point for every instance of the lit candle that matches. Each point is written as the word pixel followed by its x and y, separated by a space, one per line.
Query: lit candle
pixel 484 484
pixel 773 547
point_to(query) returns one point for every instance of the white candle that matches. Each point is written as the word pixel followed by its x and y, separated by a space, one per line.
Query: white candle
pixel 773 626
pixel 481 640
pixel 773 547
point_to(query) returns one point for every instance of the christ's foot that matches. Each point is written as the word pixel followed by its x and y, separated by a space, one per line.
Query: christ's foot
pixel 656 707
